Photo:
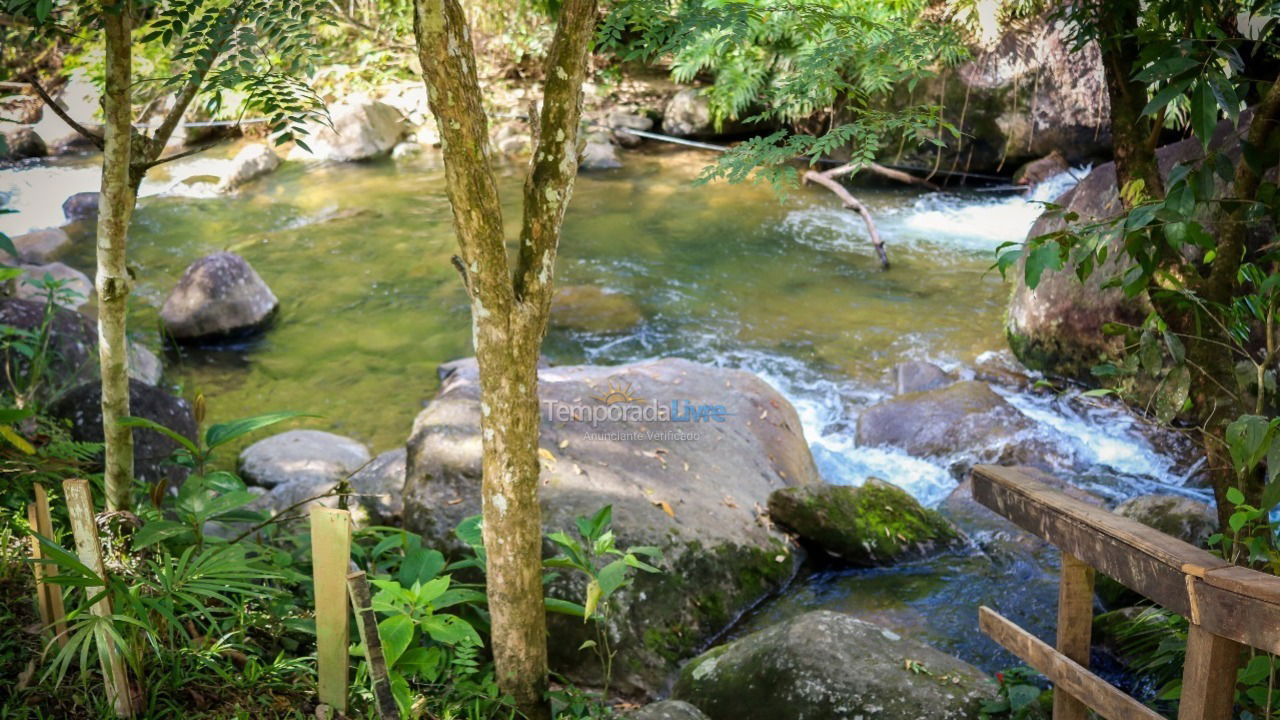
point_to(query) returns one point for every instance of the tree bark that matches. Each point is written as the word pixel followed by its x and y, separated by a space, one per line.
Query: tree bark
pixel 1131 132
pixel 112 282
pixel 508 314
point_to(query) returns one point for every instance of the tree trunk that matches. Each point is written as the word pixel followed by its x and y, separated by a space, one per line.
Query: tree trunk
pixel 508 313
pixel 112 282
pixel 1131 132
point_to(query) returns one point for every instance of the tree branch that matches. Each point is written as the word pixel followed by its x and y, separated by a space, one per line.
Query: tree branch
pixel 177 156
pixel 881 170
pixel 852 203
pixel 50 103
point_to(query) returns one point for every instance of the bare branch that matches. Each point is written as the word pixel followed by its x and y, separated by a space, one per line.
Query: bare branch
pixel 50 103
pixel 852 203
pixel 881 170
pixel 178 155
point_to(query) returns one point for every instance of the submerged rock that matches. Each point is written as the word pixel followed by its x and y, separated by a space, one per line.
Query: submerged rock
pixel 587 308
pixel 875 524
pixel 1189 520
pixel 219 296
pixel 824 665
pixel 311 457
pixel 598 155
pixel 81 206
pixel 252 162
pixel 152 451
pixel 965 420
pixel 362 129
pixel 39 246
pixel 918 375
pixel 696 490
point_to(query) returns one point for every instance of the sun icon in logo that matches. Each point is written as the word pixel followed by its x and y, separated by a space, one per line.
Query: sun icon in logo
pixel 620 391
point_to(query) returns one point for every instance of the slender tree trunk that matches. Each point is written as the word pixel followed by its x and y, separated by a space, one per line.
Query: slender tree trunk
pixel 509 310
pixel 119 193
pixel 1131 132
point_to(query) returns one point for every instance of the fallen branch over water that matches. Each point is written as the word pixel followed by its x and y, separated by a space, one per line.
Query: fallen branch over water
pixel 881 170
pixel 826 180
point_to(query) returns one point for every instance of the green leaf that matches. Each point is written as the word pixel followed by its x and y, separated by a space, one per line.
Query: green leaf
pixel 1021 696
pixel 396 632
pixel 612 577
pixel 141 422
pixel 1045 257
pixel 1235 496
pixel 1248 440
pixel 1204 113
pixel 66 561
pixel 6 245
pixel 1173 393
pixel 223 433
pixel 158 531
pixel 593 600
pixel 564 607
pixel 420 566
pixel 450 630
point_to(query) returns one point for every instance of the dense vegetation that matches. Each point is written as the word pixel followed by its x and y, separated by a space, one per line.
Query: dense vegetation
pixel 211 602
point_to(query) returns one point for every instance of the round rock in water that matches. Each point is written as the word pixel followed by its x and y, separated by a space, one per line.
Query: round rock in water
pixel 310 457
pixel 219 296
pixel 81 206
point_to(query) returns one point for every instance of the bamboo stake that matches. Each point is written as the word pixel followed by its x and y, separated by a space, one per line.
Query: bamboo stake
pixel 52 611
pixel 330 554
pixel 367 623
pixel 89 548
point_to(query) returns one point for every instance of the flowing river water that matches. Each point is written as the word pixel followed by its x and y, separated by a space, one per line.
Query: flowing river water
pixel 786 287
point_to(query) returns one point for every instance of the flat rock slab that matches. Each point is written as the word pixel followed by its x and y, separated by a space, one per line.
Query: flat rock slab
pixel 311 457
pixel 825 665
pixel 697 490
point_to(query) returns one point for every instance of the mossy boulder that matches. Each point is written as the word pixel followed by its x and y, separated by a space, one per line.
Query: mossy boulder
pixel 1189 520
pixel 587 308
pixel 875 524
pixel 697 490
pixel 824 665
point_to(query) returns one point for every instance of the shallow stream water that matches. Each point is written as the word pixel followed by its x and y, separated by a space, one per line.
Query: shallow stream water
pixel 729 275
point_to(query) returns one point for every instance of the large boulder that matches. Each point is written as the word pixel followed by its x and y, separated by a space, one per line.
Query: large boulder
pixel 1189 520
pixel 667 710
pixel 588 308
pixel 697 490
pixel 152 450
pixel 963 423
pixel 312 457
pixel 919 375
pixel 39 246
pixel 824 665
pixel 361 129
pixel 250 163
pixel 1025 93
pixel 219 296
pixel 1057 328
pixel 873 524
pixel 20 142
pixel 73 341
pixel 76 289
pixel 688 114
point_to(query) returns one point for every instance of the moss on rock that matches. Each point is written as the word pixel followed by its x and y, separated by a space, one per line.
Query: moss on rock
pixel 875 524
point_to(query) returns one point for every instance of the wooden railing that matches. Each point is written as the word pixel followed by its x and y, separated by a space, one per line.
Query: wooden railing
pixel 1228 606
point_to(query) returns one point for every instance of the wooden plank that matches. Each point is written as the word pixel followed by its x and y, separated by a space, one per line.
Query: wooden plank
pixel 367 622
pixel 1065 673
pixel 330 554
pixel 39 569
pixel 1209 676
pixel 89 549
pixel 1075 629
pixel 1141 558
pixel 1244 581
pixel 1237 617
pixel 44 526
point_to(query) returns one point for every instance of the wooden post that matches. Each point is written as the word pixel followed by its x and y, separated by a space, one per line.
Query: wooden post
pixel 1075 629
pixel 89 548
pixel 367 622
pixel 1209 676
pixel 330 554
pixel 48 595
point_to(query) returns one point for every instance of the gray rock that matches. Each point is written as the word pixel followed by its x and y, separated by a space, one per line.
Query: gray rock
pixel 381 485
pixel 81 206
pixel 588 308
pixel 219 296
pixel 307 457
pixel 80 98
pixel 620 122
pixel 1037 171
pixel 362 129
pixel 874 524
pixel 406 150
pixel 598 155
pixel 21 142
pixel 696 490
pixel 965 421
pixel 688 114
pixel 77 288
pixel 20 109
pixel 250 163
pixel 1188 520
pixel 144 366
pixel 73 341
pixel 152 451
pixel 918 375
pixel 667 710
pixel 824 665
pixel 39 246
